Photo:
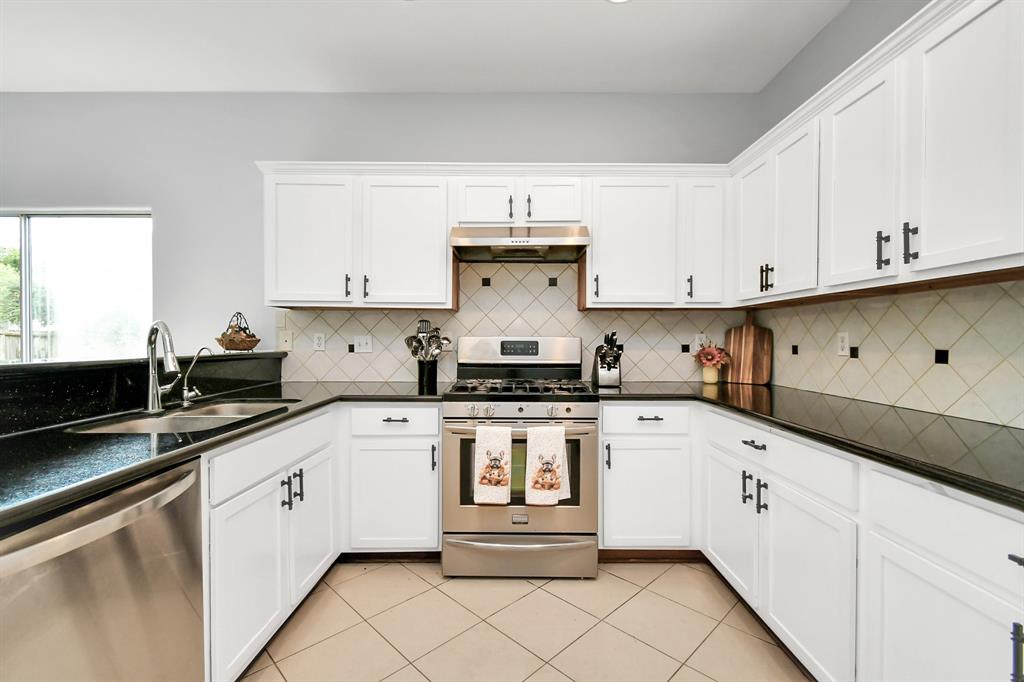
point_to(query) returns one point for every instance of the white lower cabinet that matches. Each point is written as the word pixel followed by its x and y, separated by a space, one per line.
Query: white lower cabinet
pixel 393 493
pixel 646 485
pixel 920 621
pixel 730 533
pixel 311 529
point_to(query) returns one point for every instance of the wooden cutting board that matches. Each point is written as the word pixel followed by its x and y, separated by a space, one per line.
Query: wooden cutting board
pixel 750 348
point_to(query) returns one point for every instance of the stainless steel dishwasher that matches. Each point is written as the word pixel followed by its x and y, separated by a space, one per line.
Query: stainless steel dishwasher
pixel 112 590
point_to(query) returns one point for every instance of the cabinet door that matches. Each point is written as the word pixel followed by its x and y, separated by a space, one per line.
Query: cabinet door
pixel 393 493
pixel 702 202
pixel 921 622
pixel 311 522
pixel 755 224
pixel 731 529
pixel 308 238
pixel 859 182
pixel 633 257
pixel 247 568
pixel 809 564
pixel 646 500
pixel 486 200
pixel 966 149
pixel 552 199
pixel 795 259
pixel 406 258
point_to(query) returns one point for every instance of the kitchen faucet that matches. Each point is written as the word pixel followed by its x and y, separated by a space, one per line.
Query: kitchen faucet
pixel 188 394
pixel 156 391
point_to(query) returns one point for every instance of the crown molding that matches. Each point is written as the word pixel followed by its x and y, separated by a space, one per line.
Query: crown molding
pixel 891 47
pixel 497 169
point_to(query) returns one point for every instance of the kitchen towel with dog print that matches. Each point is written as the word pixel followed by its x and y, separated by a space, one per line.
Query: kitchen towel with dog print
pixel 547 479
pixel 493 465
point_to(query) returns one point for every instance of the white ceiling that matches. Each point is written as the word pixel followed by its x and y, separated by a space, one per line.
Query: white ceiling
pixel 650 46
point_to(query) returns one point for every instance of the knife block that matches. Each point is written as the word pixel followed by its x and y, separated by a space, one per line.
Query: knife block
pixel 605 377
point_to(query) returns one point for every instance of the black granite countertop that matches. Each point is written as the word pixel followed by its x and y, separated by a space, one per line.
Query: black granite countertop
pixel 49 469
pixel 977 457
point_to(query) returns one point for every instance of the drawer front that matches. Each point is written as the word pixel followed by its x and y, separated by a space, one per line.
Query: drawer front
pixel 821 473
pixel 973 542
pixel 737 436
pixel 237 470
pixel 653 418
pixel 395 421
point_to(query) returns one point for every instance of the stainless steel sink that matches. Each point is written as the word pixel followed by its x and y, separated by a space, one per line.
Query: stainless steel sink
pixel 196 418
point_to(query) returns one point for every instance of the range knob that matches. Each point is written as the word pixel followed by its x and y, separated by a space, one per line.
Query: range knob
pixel 472 409
pixel 552 410
pixel 488 410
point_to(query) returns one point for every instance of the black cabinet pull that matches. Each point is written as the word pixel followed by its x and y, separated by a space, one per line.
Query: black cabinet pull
pixel 908 255
pixel 1017 637
pixel 768 285
pixel 655 418
pixel 743 482
pixel 366 286
pixel 761 485
pixel 529 208
pixel 287 503
pixel 510 207
pixel 689 281
pixel 392 420
pixel 597 286
pixel 608 455
pixel 348 281
pixel 879 240
pixel 301 495
pixel 760 280
pixel 754 444
pixel 433 457
pixel 1019 560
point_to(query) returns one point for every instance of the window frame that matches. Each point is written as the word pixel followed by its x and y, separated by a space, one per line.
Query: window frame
pixel 24 216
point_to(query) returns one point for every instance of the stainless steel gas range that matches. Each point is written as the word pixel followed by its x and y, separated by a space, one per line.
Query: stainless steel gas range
pixel 519 382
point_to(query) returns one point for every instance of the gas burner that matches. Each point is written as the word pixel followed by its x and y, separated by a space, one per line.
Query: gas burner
pixel 517 387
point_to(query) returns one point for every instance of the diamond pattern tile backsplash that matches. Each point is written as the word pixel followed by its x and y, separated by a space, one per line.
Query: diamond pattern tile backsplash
pixel 520 301
pixel 899 342
pixel 896 338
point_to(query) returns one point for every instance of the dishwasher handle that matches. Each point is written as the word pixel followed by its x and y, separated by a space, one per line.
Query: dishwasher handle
pixel 81 535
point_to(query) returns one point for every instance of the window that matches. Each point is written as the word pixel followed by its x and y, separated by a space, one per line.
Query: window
pixel 74 286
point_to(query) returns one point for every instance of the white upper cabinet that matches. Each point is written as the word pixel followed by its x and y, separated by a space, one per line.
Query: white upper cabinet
pixel 965 170
pixel 518 201
pixel 702 207
pixel 633 259
pixel 794 266
pixel 755 211
pixel 553 199
pixel 859 216
pixel 406 257
pixel 308 239
pixel 485 200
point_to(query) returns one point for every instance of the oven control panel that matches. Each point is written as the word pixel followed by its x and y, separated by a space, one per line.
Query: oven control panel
pixel 520 348
pixel 515 410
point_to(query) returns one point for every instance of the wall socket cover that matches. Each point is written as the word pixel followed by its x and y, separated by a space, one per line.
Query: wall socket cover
pixel 363 344
pixel 843 343
pixel 285 339
pixel 319 341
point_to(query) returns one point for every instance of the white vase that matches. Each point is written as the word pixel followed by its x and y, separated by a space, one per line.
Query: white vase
pixel 710 374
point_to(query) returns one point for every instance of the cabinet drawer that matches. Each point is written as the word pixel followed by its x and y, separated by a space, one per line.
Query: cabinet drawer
pixel 237 470
pixel 962 537
pixel 394 421
pixel 819 472
pixel 656 418
pixel 737 437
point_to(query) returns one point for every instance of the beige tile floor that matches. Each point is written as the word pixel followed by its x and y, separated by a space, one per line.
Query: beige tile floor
pixel 636 621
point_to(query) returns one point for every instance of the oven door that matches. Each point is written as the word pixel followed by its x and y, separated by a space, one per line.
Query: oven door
pixel 459 514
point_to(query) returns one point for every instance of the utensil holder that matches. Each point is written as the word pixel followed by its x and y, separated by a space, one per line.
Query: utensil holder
pixel 427 377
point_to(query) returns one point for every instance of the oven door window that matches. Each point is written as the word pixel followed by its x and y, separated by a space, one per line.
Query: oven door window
pixel 467 471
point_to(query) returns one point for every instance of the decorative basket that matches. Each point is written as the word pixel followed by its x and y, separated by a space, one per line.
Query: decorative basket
pixel 238 336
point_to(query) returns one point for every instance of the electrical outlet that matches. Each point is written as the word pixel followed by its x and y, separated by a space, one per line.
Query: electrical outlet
pixel 319 341
pixel 364 344
pixel 843 344
pixel 285 339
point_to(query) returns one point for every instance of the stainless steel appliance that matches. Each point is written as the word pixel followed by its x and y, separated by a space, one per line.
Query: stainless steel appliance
pixel 530 244
pixel 519 382
pixel 112 590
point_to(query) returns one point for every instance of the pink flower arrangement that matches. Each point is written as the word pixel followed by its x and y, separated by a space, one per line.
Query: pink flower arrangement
pixel 711 355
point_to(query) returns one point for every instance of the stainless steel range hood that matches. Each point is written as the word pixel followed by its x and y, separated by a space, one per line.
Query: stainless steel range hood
pixel 560 244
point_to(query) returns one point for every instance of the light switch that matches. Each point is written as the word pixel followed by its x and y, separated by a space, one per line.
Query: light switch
pixel 364 344
pixel 319 341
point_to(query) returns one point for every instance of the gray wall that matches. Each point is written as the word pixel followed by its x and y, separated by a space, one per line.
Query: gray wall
pixel 190 157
